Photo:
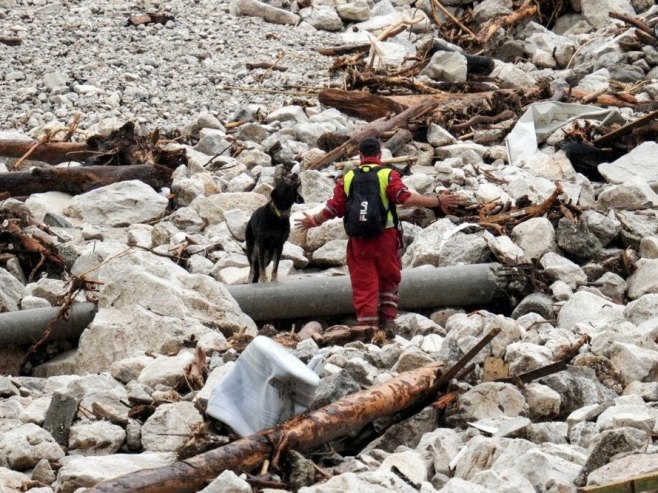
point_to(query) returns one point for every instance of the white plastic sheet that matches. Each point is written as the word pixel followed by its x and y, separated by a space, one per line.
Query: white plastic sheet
pixel 267 385
pixel 542 119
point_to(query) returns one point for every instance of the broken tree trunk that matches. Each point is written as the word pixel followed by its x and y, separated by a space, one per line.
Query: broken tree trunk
pixel 302 432
pixel 360 104
pixel 351 413
pixel 79 180
pixel 374 129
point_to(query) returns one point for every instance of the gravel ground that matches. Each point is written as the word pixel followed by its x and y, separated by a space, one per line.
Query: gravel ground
pixel 81 56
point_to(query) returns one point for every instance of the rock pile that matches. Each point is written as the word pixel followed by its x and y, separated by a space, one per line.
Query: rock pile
pixel 124 395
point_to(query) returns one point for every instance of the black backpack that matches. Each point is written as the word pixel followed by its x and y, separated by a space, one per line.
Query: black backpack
pixel 365 213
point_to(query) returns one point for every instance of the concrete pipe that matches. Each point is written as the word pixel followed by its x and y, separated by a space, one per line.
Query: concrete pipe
pixel 27 326
pixel 423 287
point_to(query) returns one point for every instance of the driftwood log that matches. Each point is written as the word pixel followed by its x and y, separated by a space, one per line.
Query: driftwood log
pixel 79 180
pixel 120 148
pixel 408 391
pixel 374 129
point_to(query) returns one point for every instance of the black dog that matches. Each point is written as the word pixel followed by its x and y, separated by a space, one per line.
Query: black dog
pixel 269 227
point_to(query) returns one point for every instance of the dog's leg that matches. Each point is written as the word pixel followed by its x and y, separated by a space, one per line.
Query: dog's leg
pixel 254 268
pixel 262 265
pixel 275 266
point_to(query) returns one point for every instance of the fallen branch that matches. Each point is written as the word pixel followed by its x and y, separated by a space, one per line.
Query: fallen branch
pixel 633 21
pixel 528 9
pixel 349 414
pixel 266 65
pixel 79 180
pixel 448 14
pixel 374 129
pixel 481 119
pixel 516 216
pixel 626 129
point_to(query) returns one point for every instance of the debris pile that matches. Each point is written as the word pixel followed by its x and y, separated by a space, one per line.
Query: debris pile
pixel 541 113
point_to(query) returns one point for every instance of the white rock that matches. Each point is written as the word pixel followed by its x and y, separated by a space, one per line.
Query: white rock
pixel 632 194
pixel 12 292
pixel 644 280
pixel 492 400
pixel 21 448
pixel 559 268
pixel 227 482
pixel 624 468
pixel 589 310
pixel 165 429
pixel 439 447
pixel 95 438
pixel 525 356
pixel 409 463
pixel 649 247
pixel 535 236
pixel 503 481
pixel 265 11
pixel 512 76
pixel 542 400
pixel 596 81
pixel 42 203
pixel 118 204
pixel 83 472
pixel 641 162
pixel 633 416
pixel 439 136
pixel 212 208
pixel 634 362
pixel 128 369
pixel 165 370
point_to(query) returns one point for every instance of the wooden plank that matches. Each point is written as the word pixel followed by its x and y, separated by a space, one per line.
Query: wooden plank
pixel 637 484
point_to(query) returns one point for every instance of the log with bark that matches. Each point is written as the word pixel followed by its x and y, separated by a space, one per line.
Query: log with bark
pixel 410 389
pixel 121 147
pixel 79 180
pixel 374 129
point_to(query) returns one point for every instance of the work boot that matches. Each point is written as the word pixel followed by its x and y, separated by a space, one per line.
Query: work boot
pixel 390 328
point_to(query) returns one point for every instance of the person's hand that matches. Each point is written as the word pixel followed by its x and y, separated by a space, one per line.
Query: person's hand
pixel 306 222
pixel 450 200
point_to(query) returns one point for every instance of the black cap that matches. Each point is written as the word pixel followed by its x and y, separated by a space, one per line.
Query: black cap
pixel 370 147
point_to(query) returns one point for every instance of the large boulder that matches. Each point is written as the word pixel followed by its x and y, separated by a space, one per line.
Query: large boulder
pixel 118 204
pixel 148 303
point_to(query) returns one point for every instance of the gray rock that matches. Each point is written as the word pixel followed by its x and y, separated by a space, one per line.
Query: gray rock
pixel 489 9
pixel 446 66
pixel 578 387
pixel 333 388
pixel 409 433
pixel 641 162
pixel 608 444
pixel 577 239
pixel 642 309
pixel 596 12
pixel 43 473
pixel 649 247
pixel 535 303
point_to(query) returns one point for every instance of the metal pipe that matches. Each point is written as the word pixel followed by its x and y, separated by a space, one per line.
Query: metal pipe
pixel 28 326
pixel 423 287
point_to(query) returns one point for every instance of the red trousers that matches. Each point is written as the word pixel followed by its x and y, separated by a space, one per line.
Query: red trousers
pixel 374 266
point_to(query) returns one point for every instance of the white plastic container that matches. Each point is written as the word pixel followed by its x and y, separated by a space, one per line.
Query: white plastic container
pixel 266 386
